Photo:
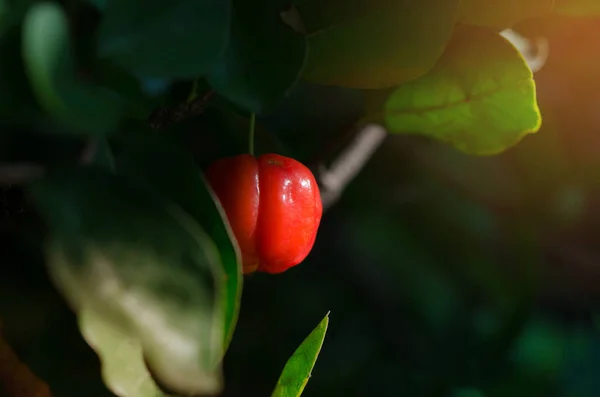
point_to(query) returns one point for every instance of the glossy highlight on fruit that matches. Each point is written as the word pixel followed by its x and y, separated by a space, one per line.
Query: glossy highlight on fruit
pixel 273 205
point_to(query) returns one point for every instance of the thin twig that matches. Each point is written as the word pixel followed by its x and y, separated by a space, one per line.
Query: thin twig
pixel 349 163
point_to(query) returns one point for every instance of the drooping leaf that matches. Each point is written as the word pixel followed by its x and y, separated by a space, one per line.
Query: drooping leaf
pixel 375 44
pixel 165 39
pixel 263 59
pixel 179 179
pixel 577 8
pixel 297 370
pixel 123 367
pixel 143 266
pixel 47 53
pixel 502 14
pixel 480 97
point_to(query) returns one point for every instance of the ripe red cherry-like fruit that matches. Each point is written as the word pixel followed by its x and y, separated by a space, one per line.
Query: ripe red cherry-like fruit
pixel 273 205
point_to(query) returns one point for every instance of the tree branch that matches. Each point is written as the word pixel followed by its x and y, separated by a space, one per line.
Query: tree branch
pixel 349 163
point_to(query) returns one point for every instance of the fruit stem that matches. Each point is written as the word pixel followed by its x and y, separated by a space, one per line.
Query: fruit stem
pixel 251 134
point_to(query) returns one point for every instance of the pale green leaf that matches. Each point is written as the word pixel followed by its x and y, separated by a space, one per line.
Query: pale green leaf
pixel 144 267
pixel 123 366
pixel 180 180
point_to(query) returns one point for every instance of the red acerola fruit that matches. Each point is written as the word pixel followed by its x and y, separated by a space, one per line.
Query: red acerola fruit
pixel 273 205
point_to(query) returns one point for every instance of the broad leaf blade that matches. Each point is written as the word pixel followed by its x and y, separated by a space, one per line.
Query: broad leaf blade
pixel 480 97
pixel 373 44
pixel 178 178
pixel 165 39
pixel 141 264
pixel 123 367
pixel 297 370
pixel 51 68
pixel 264 57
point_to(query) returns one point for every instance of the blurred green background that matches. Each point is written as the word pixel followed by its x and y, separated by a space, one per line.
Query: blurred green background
pixel 446 275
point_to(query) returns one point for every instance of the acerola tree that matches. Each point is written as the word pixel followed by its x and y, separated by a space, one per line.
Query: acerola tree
pixel 112 111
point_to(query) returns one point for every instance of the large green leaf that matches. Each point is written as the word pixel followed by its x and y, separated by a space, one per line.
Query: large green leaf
pixel 375 44
pixel 264 57
pixel 297 370
pixel 179 179
pixel 170 39
pixel 480 97
pixel 502 14
pixel 123 367
pixel 140 266
pixel 49 62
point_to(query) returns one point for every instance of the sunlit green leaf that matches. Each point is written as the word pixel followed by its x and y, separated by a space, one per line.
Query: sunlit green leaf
pixel 480 97
pixel 371 44
pixel 180 180
pixel 143 266
pixel 502 13
pixel 49 62
pixel 297 370
pixel 171 39
pixel 264 57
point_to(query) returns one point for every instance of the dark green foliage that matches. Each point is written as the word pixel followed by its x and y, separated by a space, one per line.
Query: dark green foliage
pixel 443 263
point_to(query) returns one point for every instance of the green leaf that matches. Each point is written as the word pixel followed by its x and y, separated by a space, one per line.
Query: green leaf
pixel 480 97
pixel 372 44
pixel 123 366
pixel 49 62
pixel 179 179
pixel 143 266
pixel 264 57
pixel 297 370
pixel 502 14
pixel 129 88
pixel 170 39
pixel 577 8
